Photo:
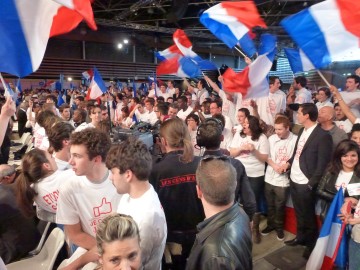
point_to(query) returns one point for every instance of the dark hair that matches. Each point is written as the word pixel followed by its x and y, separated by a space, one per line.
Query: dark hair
pixel 132 154
pixel 245 111
pixel 355 128
pixel 97 143
pixel 52 97
pixel 209 134
pixel 42 116
pixel 193 116
pixel 218 102
pixel 174 106
pixel 125 110
pixel 80 98
pixel 32 171
pixel 81 114
pixel 255 128
pixel 355 77
pixel 151 101
pixel 162 108
pixel 326 90
pixel 59 132
pixel 221 118
pixel 310 109
pixel 345 146
pixel 272 79
pixel 301 80
pixel 216 179
pixel 63 107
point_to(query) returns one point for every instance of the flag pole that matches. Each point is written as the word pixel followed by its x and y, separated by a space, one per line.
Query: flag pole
pixel 323 78
pixel 4 84
pixel 243 54
pixel 205 80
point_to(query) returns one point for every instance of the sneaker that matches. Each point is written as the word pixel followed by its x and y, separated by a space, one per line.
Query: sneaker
pixel 267 230
pixel 280 235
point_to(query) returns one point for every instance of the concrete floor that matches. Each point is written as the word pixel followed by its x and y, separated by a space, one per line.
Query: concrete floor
pixel 272 254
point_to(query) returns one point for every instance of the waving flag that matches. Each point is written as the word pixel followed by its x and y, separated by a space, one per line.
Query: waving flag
pixel 327 31
pixel 61 98
pixel 185 47
pixel 88 74
pixel 169 53
pixel 231 22
pixel 178 66
pixel 331 238
pixel 97 85
pixel 298 60
pixel 26 27
pixel 252 81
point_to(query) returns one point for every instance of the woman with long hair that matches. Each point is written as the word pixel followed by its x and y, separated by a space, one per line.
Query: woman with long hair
pixel 173 177
pixel 38 182
pixel 118 243
pixel 343 169
pixel 251 147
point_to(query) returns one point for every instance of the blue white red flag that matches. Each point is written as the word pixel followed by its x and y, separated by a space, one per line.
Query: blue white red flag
pixel 61 99
pixel 168 53
pixel 88 74
pixel 326 32
pixel 97 85
pixel 26 27
pixel 252 81
pixel 331 238
pixel 298 60
pixel 18 86
pixel 232 22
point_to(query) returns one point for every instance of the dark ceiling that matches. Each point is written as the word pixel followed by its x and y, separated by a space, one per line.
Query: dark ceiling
pixel 156 20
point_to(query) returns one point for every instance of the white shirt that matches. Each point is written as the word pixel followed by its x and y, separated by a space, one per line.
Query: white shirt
pixel 83 126
pixel 62 165
pixel 228 107
pixel 344 125
pixel 296 174
pixel 253 166
pixel 343 179
pixel 183 114
pixel 302 96
pixel 150 218
pixel 86 202
pixel 47 189
pixel 348 97
pixel 281 151
pixel 327 102
pixel 228 136
pixel 150 118
pixel 269 106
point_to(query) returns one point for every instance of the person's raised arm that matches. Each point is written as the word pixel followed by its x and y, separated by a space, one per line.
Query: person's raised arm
pixel 212 84
pixel 7 110
pixel 344 107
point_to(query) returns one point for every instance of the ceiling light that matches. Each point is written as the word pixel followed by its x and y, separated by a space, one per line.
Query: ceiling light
pixel 126 41
pixel 69 79
pixel 119 46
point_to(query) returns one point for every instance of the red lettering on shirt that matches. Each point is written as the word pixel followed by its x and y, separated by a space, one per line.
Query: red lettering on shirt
pixel 177 180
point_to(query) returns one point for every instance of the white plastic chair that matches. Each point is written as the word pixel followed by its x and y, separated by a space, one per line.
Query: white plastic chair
pixel 46 258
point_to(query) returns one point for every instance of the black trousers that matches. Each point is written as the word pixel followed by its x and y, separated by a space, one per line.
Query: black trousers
pixel 304 204
pixel 276 200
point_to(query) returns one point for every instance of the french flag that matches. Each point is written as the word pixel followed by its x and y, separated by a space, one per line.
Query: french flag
pixel 88 74
pixel 179 66
pixel 232 22
pixel 331 239
pixel 327 31
pixel 97 85
pixel 168 53
pixel 26 27
pixel 185 46
pixel 298 60
pixel 252 81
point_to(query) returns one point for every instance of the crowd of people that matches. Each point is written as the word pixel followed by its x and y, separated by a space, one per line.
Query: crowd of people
pixel 195 199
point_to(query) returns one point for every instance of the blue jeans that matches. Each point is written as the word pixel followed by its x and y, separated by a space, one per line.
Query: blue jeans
pixel 354 255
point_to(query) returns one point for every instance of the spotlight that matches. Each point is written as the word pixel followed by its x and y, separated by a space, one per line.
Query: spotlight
pixel 119 46
pixel 69 79
pixel 126 41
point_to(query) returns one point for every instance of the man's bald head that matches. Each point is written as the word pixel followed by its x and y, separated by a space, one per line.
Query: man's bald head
pixel 7 174
pixel 326 114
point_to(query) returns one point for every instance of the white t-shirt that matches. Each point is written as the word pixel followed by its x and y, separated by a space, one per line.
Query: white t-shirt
pixel 302 96
pixel 344 125
pixel 150 118
pixel 183 114
pixel 47 189
pixel 348 97
pixel 343 179
pixel 227 133
pixel 141 117
pixel 197 151
pixel 39 135
pixel 269 106
pixel 62 165
pixel 281 151
pixel 296 174
pixel 84 126
pixel 150 218
pixel 253 167
pixel 86 202
pixel 228 107
pixel 327 102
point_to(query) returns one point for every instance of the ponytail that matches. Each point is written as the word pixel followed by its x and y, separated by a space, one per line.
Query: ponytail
pixel 32 172
pixel 177 136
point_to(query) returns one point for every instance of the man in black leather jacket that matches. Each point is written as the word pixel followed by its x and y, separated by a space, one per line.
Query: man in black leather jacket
pixel 224 238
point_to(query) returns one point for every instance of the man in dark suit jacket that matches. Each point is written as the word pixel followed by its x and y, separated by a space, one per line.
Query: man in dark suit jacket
pixel 312 154
pixel 22 119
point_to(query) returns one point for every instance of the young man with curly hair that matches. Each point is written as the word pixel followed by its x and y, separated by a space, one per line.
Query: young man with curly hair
pixel 87 198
